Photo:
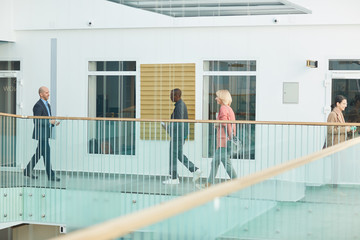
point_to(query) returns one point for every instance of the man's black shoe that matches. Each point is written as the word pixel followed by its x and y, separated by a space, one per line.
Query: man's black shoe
pixel 53 178
pixel 30 175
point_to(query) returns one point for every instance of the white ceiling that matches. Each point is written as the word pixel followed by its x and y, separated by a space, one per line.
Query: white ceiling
pixel 207 8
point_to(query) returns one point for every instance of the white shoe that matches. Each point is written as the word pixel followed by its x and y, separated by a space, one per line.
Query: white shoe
pixel 202 186
pixel 199 186
pixel 171 181
pixel 197 175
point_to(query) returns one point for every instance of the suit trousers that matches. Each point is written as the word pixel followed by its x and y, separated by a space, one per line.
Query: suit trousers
pixel 176 153
pixel 43 149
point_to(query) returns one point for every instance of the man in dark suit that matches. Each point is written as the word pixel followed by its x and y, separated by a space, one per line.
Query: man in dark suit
pixel 42 131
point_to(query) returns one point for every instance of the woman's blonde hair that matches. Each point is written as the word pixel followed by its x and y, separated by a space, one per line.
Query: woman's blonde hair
pixel 224 96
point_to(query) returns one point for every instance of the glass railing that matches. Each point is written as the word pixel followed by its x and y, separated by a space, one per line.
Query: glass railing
pixel 288 201
pixel 282 207
pixel 105 168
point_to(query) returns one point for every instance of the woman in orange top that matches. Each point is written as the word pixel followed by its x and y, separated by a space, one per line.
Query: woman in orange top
pixel 224 133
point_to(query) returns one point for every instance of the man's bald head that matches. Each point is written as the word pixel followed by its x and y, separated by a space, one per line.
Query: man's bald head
pixel 43 89
pixel 44 93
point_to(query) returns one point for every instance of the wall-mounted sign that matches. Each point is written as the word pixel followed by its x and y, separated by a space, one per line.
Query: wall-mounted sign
pixel 311 63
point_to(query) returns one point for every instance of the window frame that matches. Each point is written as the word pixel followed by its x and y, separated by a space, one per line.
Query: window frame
pixel 205 102
pixel 92 112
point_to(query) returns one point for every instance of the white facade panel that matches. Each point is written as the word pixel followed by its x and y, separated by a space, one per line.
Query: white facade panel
pixel 280 54
pixel 6 21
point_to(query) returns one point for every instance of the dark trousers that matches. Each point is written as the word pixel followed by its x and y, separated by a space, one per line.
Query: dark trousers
pixel 43 149
pixel 176 152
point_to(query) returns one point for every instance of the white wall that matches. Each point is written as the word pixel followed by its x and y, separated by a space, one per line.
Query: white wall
pixel 122 33
pixel 6 21
pixel 280 52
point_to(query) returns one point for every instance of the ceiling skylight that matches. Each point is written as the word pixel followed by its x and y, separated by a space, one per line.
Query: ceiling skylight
pixel 207 8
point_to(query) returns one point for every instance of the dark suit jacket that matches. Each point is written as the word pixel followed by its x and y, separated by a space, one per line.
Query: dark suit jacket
pixel 42 127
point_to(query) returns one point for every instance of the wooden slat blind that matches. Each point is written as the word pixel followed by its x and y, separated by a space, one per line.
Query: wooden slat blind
pixel 156 82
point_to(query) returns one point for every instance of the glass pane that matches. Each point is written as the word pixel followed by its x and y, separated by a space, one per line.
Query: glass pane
pixel 10 65
pixel 316 201
pixel 344 65
pixel 230 66
pixel 128 66
pixel 115 98
pixel 112 66
pixel 8 95
pixel 243 92
pixel 8 140
pixel 350 88
pixel 8 128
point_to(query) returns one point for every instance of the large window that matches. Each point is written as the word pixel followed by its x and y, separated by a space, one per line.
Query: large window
pixel 112 95
pixel 239 77
pixel 346 82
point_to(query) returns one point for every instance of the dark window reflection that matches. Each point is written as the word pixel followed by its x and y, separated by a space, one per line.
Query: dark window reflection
pixel 7 124
pixel 350 88
pixel 8 95
pixel 10 65
pixel 112 66
pixel 230 66
pixel 344 65
pixel 115 98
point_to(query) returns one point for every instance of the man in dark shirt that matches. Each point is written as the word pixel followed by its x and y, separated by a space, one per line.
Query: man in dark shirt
pixel 179 131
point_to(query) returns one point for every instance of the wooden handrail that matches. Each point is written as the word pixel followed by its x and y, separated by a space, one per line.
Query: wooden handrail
pixel 11 115
pixel 126 224
pixel 182 120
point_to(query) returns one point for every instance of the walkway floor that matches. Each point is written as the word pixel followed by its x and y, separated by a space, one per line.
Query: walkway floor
pixel 325 213
pixel 100 182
